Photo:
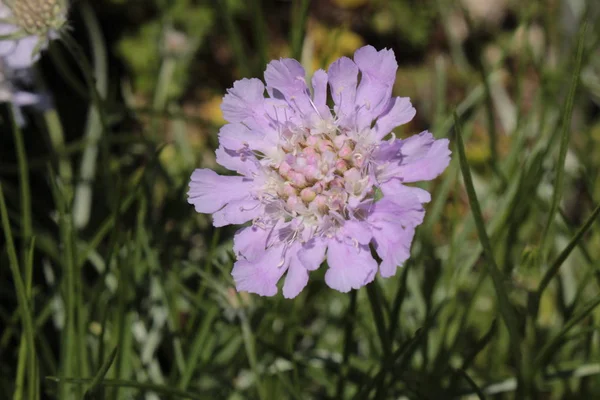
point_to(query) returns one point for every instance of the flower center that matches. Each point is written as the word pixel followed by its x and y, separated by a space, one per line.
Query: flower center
pixel 320 173
pixel 37 17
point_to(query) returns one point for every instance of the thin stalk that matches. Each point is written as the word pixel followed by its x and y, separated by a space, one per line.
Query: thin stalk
pixel 97 123
pixel 24 308
pixel 250 347
pixel 350 316
pixel 506 309
pixel 564 143
pixel 299 15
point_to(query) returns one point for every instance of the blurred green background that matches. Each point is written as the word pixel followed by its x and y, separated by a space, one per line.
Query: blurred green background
pixel 126 291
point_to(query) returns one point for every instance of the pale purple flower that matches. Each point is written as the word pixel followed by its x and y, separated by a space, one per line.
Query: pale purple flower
pixel 26 28
pixel 318 183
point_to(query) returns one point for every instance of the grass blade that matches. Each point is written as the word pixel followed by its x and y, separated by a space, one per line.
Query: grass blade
pixel 21 290
pixel 146 387
pixel 476 389
pixel 97 381
pixel 554 343
pixel 506 309
pixel 350 316
pixel 197 347
pixel 299 15
pixel 553 270
pixel 564 141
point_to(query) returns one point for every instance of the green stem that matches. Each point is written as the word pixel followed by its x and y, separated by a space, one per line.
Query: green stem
pixel 24 308
pixel 564 144
pixel 97 122
pixel 350 316
pixel 299 15
pixel 26 355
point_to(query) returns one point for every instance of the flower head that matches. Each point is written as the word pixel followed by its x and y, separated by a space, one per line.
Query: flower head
pixel 311 178
pixel 26 27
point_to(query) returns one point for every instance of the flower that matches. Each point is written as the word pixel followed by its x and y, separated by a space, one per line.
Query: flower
pixel 319 183
pixel 26 27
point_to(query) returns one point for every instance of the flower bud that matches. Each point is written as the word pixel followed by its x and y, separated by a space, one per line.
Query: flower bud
pixel 284 169
pixel 289 190
pixel 307 195
pixel 297 179
pixel 341 166
pixel 346 151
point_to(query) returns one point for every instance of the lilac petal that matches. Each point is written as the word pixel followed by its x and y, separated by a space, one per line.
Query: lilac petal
pixel 286 80
pixel 296 278
pixel 357 231
pixel 378 73
pixel 242 162
pixel 394 189
pixel 395 212
pixel 244 100
pixel 25 98
pixel 343 77
pixel 22 55
pixel 209 191
pixel 238 212
pixel 319 84
pixel 392 223
pixel 418 158
pixel 312 253
pixel 399 111
pixel 350 267
pixel 394 253
pixel 6 46
pixel 250 242
pixel 247 136
pixel 260 275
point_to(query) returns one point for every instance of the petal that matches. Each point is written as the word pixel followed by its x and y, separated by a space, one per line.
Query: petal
pixel 209 191
pixel 376 66
pixel 238 212
pixel 393 253
pixel 394 189
pixel 399 111
pixel 418 158
pixel 312 253
pixel 297 275
pixel 378 73
pixel 244 100
pixel 393 225
pixel 22 55
pixel 260 275
pixel 319 84
pixel 286 80
pixel 357 231
pixel 250 242
pixel 25 98
pixel 6 45
pixel 242 161
pixel 343 77
pixel 350 267
pixel 395 213
pixel 246 136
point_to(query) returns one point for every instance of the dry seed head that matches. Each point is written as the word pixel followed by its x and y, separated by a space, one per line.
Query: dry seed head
pixel 38 17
